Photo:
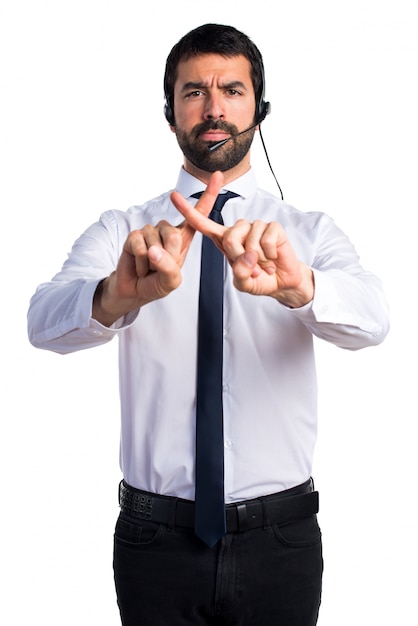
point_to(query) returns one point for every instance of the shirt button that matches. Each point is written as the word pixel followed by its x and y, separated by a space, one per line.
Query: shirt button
pixel 228 444
pixel 225 388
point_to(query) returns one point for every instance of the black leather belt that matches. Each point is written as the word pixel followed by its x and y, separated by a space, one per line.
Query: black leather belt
pixel 280 508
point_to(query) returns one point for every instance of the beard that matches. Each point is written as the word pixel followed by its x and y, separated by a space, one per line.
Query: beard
pixel 223 159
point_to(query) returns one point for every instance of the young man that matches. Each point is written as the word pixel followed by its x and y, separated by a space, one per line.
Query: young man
pixel 286 276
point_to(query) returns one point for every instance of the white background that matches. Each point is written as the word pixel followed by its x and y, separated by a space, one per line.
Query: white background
pixel 82 131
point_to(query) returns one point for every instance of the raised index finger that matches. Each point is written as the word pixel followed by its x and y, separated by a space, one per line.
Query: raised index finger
pixel 196 216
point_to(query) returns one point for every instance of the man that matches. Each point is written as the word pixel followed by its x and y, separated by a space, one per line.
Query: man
pixel 286 277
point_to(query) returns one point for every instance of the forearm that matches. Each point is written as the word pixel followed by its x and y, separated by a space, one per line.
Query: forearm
pixel 348 310
pixel 60 312
pixel 59 315
pixel 60 318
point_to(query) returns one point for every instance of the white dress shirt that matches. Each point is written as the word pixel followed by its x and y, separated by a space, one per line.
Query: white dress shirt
pixel 269 380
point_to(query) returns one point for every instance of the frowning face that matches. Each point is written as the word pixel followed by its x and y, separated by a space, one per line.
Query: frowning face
pixel 214 99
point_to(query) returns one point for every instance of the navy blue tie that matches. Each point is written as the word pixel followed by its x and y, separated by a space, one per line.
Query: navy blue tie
pixel 210 523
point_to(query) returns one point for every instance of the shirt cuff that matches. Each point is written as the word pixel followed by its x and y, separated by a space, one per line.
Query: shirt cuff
pixel 339 301
pixel 121 324
pixel 85 304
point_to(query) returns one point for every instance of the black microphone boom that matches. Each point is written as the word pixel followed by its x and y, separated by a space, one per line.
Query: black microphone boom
pixel 215 146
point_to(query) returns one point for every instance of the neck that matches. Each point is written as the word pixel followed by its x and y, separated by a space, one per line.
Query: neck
pixel 229 175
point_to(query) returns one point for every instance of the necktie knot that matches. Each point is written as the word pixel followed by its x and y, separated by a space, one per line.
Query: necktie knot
pixel 222 198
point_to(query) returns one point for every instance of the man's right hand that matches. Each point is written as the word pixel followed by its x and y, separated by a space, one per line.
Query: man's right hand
pixel 149 267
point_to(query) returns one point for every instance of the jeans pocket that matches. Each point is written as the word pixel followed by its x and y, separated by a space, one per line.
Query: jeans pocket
pixel 133 532
pixel 301 533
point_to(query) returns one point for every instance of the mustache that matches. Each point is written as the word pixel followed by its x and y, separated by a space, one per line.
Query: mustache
pixel 231 129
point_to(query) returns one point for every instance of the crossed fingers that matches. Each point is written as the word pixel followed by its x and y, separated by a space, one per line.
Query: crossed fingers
pixel 257 237
pixel 196 217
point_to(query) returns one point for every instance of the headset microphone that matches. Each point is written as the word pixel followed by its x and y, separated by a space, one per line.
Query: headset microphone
pixel 264 110
pixel 217 145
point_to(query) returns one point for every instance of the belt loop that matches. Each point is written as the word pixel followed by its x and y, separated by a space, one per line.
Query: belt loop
pixel 266 517
pixel 242 515
pixel 172 506
pixel 120 492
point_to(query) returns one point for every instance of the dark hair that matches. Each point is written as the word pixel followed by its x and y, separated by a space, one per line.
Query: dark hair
pixel 212 39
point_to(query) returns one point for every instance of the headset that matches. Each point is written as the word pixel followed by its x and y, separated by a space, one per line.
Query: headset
pixel 263 108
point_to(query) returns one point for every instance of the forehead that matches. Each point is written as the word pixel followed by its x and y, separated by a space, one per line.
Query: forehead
pixel 210 68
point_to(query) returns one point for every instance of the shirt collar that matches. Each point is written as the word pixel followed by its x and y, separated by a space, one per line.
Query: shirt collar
pixel 244 186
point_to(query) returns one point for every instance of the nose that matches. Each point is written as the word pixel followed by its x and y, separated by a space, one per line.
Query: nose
pixel 213 107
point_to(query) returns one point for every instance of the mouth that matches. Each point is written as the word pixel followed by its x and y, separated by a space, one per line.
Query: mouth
pixel 214 135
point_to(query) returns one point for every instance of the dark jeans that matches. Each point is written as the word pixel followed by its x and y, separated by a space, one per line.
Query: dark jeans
pixel 264 577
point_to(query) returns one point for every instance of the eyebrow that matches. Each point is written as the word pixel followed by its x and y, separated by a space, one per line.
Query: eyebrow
pixel 235 84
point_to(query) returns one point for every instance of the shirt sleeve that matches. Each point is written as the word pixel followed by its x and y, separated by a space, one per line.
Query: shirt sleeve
pixel 349 308
pixel 59 316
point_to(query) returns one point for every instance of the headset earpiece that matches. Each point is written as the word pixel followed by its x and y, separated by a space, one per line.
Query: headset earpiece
pixel 264 109
pixel 168 111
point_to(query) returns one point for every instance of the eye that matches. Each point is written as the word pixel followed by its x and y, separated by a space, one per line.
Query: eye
pixel 194 94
